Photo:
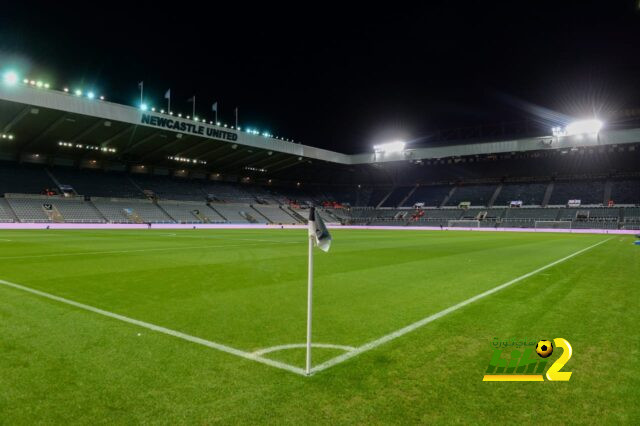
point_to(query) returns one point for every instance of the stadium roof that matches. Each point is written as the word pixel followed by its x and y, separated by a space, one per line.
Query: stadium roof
pixel 62 124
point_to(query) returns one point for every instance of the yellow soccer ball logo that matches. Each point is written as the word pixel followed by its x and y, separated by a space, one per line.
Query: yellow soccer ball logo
pixel 544 348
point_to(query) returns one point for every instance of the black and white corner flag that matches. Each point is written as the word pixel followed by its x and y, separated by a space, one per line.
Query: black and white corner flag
pixel 319 232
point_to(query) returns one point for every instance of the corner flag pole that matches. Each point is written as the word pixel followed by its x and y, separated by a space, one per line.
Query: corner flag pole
pixel 309 304
pixel 320 237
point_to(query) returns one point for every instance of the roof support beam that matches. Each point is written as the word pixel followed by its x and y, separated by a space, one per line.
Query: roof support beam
pixel 45 132
pixel 19 116
pixel 242 160
pixel 87 131
pixel 160 148
pixel 286 166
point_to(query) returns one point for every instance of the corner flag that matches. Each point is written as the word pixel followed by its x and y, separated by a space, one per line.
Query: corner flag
pixel 318 236
pixel 320 233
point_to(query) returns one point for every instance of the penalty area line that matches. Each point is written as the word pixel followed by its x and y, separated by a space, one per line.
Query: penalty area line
pixel 412 327
pixel 214 345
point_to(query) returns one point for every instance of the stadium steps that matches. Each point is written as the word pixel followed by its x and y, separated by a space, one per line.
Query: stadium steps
pixel 608 187
pixel 404 200
pixel 56 181
pixel 449 195
pixel 293 214
pixel 296 215
pixel 260 213
pixel 136 186
pixel 98 212
pixel 385 197
pixel 495 195
pixel 218 213
pixel 165 212
pixel 8 210
pixel 547 194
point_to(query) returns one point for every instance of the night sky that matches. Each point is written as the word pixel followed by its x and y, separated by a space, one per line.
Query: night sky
pixel 337 78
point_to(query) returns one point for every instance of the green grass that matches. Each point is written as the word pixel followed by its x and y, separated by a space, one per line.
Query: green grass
pixel 247 289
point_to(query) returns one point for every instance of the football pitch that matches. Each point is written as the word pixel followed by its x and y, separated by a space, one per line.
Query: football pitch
pixel 208 326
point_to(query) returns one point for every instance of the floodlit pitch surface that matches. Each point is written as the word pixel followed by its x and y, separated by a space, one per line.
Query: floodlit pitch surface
pixel 246 290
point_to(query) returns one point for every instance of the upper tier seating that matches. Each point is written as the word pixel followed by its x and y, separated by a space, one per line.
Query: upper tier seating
pixel 588 192
pixel 528 193
pixel 396 196
pixel 97 183
pixel 478 195
pixel 626 191
pixel 431 196
pixel 169 188
pixel 23 178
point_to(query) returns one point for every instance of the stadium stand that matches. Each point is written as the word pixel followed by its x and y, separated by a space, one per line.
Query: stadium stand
pixel 395 198
pixel 169 188
pixel 530 194
pixel 29 209
pixel 233 213
pixel 97 183
pixel 23 178
pixel 6 214
pixel 131 211
pixel 625 191
pixel 190 212
pixel 275 214
pixel 588 192
pixel 477 195
pixel 431 196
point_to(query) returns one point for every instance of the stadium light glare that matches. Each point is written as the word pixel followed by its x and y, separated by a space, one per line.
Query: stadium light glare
pixel 66 90
pixel 582 127
pixel 46 85
pixel 102 98
pixel 10 78
pixel 397 146
pixel 153 109
pixel 78 92
pixel 144 106
pixel 91 95
pixel 39 84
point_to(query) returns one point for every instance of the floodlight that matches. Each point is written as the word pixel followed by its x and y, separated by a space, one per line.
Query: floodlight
pixel 78 92
pixel 66 90
pixel 582 127
pixel 10 78
pixel 144 106
pixel 91 95
pixel 39 84
pixel 396 146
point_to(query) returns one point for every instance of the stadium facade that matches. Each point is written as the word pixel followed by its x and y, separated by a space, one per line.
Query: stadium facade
pixel 66 158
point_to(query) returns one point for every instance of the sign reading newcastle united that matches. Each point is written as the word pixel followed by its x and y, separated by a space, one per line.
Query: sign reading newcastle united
pixel 191 128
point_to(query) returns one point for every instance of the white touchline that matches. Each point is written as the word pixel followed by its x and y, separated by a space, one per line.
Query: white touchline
pixel 408 329
pixel 174 333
